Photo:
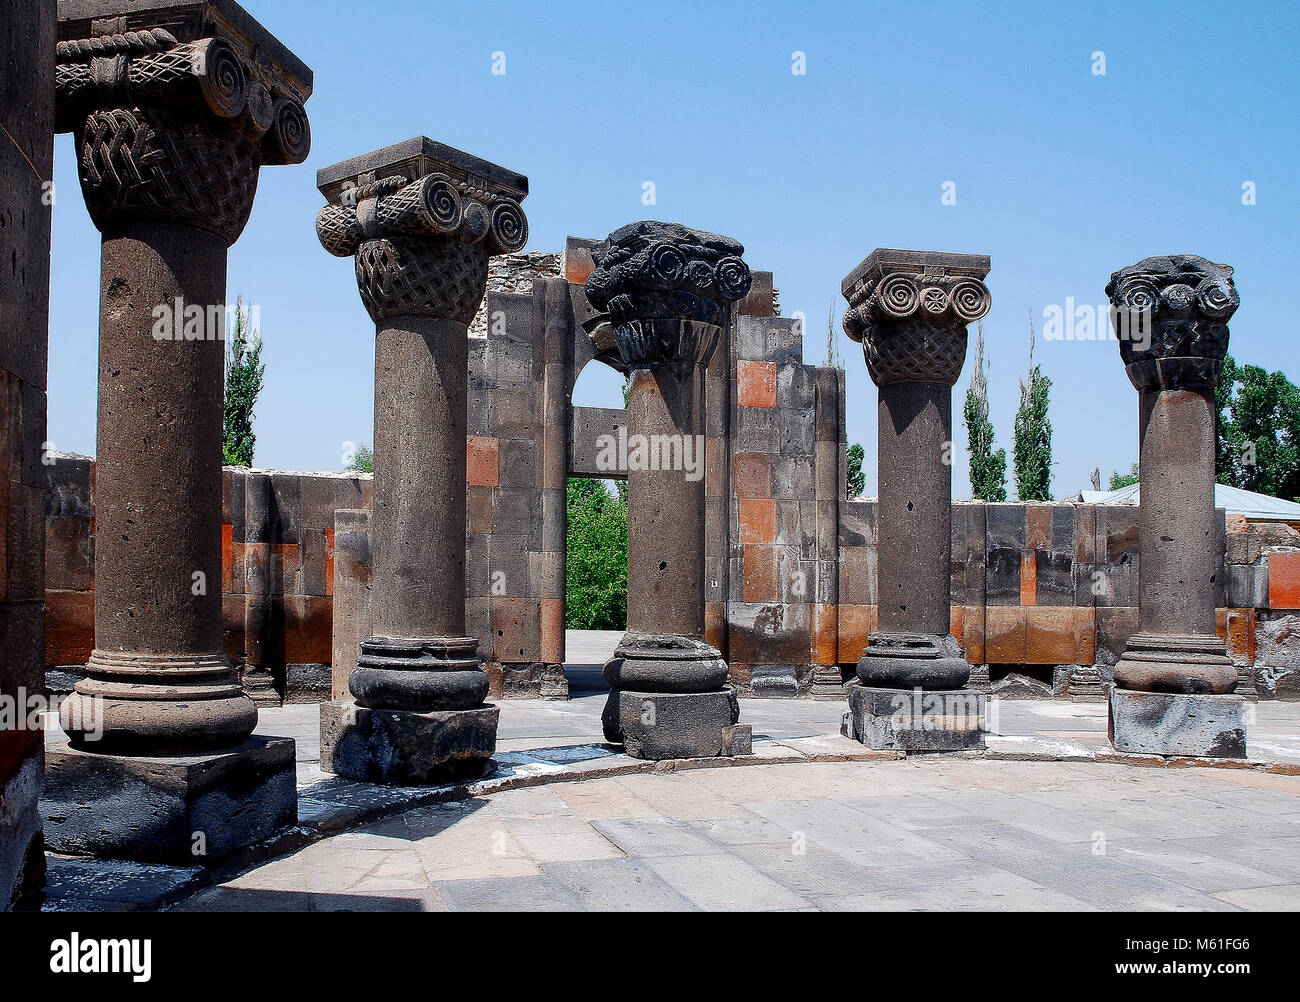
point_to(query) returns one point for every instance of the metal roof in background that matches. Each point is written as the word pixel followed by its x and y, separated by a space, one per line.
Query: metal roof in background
pixel 1233 500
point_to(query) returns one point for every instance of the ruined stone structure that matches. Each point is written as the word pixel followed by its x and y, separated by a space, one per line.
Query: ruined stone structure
pixel 27 34
pixel 1174 684
pixel 909 310
pixel 663 293
pixel 175 109
pixel 420 219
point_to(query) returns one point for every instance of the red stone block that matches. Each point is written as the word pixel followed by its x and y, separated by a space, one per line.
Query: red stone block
pixel 69 627
pixel 757 518
pixel 1284 580
pixel 751 475
pixel 755 383
pixel 481 461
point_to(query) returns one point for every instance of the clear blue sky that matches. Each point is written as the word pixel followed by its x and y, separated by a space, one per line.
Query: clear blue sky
pixel 1061 176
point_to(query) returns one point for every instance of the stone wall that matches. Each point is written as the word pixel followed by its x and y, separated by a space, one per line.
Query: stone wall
pixel 27 36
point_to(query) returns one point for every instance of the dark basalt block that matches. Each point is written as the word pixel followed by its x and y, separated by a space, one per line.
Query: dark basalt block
pixel 178 809
pixel 926 720
pixel 663 725
pixel 401 747
pixel 1166 723
pixel 907 661
pixel 652 663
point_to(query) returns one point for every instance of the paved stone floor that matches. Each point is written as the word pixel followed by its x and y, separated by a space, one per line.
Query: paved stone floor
pixel 795 829
pixel 933 834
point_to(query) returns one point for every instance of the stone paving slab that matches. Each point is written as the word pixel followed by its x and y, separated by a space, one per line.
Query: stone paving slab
pixel 560 743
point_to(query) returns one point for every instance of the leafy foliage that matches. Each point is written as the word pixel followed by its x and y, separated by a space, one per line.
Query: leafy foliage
pixel 596 565
pixel 1258 442
pixel 244 374
pixel 364 460
pixel 988 468
pixel 1118 480
pixel 1031 449
pixel 853 470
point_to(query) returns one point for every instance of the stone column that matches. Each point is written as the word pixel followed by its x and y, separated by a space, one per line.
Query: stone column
pixel 172 126
pixel 667 290
pixel 909 309
pixel 421 220
pixel 1174 684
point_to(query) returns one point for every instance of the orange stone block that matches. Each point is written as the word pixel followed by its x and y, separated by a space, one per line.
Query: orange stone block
pixel 1006 634
pixel 761 574
pixel 757 519
pixel 1050 635
pixel 972 632
pixel 1237 628
pixel 825 635
pixel 1038 526
pixel 69 627
pixel 715 625
pixel 1284 580
pixel 755 383
pixel 751 475
pixel 228 561
pixel 552 637
pixel 1028 578
pixel 481 461
pixel 855 624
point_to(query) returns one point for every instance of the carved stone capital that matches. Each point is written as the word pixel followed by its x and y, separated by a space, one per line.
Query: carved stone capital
pixel 421 219
pixel 1171 317
pixel 175 109
pixel 909 310
pixel 666 289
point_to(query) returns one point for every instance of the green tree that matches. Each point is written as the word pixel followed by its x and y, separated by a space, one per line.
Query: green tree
pixel 596 564
pixel 853 470
pixel 244 374
pixel 1118 480
pixel 1258 442
pixel 988 469
pixel 1031 449
pixel 363 460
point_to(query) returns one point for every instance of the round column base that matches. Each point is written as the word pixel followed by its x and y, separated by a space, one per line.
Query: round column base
pixel 913 661
pixel 132 703
pixel 435 673
pixel 655 662
pixel 1194 666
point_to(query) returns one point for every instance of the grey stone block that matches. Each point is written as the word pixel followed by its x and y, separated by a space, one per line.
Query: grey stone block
pixel 737 739
pixel 1166 723
pixel 154 808
pixel 911 720
pixel 660 725
pixel 1246 585
pixel 402 747
pixel 774 681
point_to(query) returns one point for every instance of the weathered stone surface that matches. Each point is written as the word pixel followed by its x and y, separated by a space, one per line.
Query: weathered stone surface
pixel 907 661
pixel 916 720
pixel 404 747
pixel 909 310
pixel 1171 315
pixel 656 663
pixel 737 739
pixel 661 725
pixel 1014 685
pixel 180 809
pixel 1161 723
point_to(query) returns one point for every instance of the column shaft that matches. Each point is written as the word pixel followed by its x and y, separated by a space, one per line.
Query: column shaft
pixel 1177 567
pixel 418 521
pixel 914 511
pixel 665 534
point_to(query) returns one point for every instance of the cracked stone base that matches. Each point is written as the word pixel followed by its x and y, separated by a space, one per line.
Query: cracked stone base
pixel 908 720
pixel 1176 724
pixel 660 725
pixel 178 809
pixel 403 747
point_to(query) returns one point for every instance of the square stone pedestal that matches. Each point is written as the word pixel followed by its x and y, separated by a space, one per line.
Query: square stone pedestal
pixel 406 748
pixel 661 725
pixel 914 719
pixel 178 809
pixel 1167 723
